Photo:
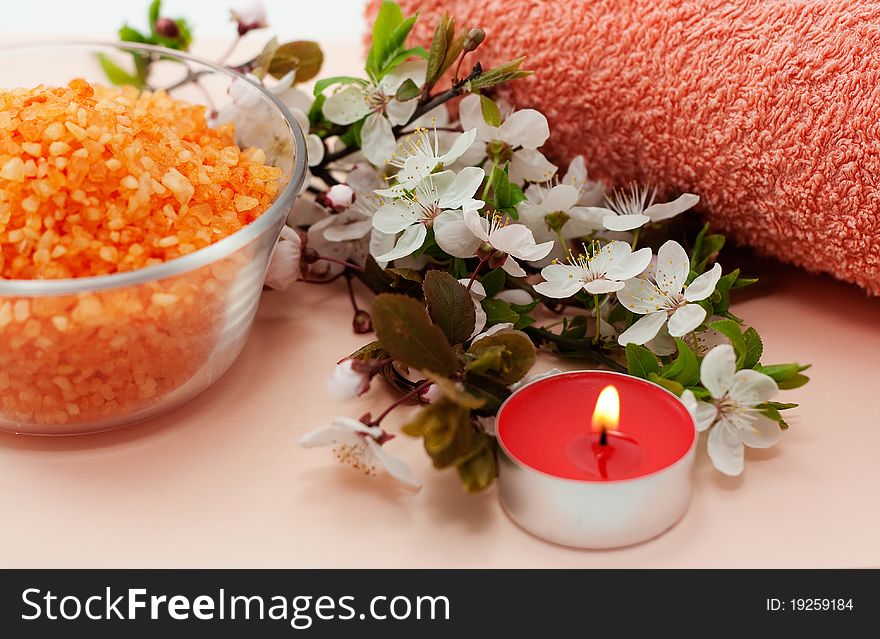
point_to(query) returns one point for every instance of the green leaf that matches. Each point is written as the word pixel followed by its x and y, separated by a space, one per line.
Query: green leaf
pixel 779 405
pixel 449 305
pixel 403 56
pixel 516 196
pixel 490 110
pixel 459 268
pixel 500 75
pixel 117 75
pixel 669 384
pixel 686 368
pixel 389 17
pixel 506 356
pixel 795 381
pixel 443 36
pixel 128 34
pixel 408 90
pixel 705 248
pixel 754 348
pixel 373 350
pixel 303 56
pixel 498 311
pixel 733 332
pixel 405 331
pixel 153 14
pixel 324 83
pixel 493 282
pixel 390 55
pixel 781 372
pixel 479 469
pixel 640 361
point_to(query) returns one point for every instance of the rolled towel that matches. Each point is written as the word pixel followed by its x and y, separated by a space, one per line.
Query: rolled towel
pixel 769 109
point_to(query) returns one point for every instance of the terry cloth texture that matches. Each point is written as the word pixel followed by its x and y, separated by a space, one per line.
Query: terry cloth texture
pixel 768 109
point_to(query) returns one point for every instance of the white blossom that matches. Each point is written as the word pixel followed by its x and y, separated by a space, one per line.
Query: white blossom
pixel 664 297
pixel 520 136
pixel 357 445
pixel 348 381
pixel 605 271
pixel 629 209
pixel 464 234
pixel 376 102
pixel 285 263
pixel 732 413
pixel 410 213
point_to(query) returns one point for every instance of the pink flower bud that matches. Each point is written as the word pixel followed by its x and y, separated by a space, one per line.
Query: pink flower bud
pixel 167 28
pixel 340 197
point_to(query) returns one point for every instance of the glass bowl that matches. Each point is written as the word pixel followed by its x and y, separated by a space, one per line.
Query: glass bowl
pixel 89 354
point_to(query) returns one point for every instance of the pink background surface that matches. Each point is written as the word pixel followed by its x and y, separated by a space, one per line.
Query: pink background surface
pixel 222 482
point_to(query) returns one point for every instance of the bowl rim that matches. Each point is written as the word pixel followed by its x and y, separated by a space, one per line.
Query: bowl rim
pixel 201 257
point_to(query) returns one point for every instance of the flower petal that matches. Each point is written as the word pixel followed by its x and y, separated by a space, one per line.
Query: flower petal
pixel 284 264
pixel 511 267
pixel 616 222
pixel 478 291
pixel 597 287
pixel 480 319
pixel 686 319
pixel 394 217
pixel 515 296
pixel 399 113
pixel 561 281
pixel 503 326
pixel 454 236
pixel 518 240
pixel 658 212
pixel 414 70
pixel 411 240
pixel 462 143
pixel 750 387
pixel 717 369
pixel 314 149
pixel 628 265
pixel 530 165
pixel 346 106
pixel 462 188
pixel 470 115
pixel 644 330
pixel 641 296
pixel 347 232
pixel 704 414
pixel 476 223
pixel 394 466
pixel 526 128
pixel 704 285
pixel 560 198
pixel 673 267
pixel 763 432
pixel 725 449
pixel 377 139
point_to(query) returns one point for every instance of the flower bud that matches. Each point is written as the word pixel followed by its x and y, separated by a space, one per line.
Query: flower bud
pixel 497 259
pixel 362 322
pixel 473 39
pixel 338 198
pixel 167 28
pixel 250 17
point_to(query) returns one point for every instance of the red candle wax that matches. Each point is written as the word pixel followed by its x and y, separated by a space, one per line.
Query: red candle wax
pixel 547 426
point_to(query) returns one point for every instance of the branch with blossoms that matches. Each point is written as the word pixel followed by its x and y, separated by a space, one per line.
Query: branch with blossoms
pixel 468 239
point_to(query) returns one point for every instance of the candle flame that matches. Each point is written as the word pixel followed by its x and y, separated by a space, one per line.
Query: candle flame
pixel 607 413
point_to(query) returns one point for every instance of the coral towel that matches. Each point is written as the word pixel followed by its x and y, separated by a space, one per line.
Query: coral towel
pixel 769 109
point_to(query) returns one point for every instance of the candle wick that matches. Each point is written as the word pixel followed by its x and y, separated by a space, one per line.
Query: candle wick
pixel 603 437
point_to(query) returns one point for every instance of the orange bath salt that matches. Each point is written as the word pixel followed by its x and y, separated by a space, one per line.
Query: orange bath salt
pixel 96 181
pixel 115 168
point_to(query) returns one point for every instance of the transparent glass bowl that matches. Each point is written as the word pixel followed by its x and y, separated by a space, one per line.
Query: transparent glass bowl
pixel 89 354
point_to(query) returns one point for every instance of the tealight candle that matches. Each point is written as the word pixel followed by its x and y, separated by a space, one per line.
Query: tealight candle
pixel 595 459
